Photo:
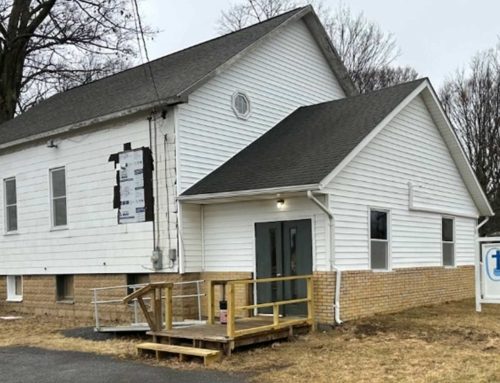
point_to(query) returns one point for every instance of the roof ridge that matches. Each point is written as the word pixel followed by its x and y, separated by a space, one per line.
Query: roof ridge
pixel 179 51
pixel 370 93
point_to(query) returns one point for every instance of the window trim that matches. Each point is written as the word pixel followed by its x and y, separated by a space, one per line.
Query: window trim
pixel 452 242
pixel 388 240
pixel 241 116
pixel 11 288
pixel 5 206
pixel 54 227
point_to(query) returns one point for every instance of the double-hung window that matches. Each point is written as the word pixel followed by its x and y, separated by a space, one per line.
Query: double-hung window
pixel 58 197
pixel 448 239
pixel 379 240
pixel 10 205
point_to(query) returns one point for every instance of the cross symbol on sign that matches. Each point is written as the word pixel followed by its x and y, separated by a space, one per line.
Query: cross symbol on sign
pixel 496 271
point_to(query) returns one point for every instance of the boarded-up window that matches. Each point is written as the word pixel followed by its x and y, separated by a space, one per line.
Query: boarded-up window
pixel 64 288
pixel 448 239
pixel 379 240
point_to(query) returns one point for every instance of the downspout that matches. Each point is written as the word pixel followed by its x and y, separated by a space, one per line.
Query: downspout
pixel 338 278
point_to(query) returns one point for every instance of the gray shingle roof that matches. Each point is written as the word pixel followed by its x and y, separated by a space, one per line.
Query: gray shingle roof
pixel 306 146
pixel 174 75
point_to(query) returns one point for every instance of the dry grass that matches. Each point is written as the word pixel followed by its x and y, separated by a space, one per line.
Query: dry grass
pixel 445 343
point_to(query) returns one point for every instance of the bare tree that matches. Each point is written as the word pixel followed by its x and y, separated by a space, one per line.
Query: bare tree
pixel 472 100
pixel 366 50
pixel 379 78
pixel 48 46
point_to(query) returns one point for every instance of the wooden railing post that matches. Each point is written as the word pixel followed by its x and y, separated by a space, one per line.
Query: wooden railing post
pixel 168 308
pixel 231 304
pixel 310 302
pixel 276 315
pixel 157 309
pixel 210 302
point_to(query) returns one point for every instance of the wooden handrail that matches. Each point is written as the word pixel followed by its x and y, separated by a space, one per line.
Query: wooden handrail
pixel 154 318
pixel 271 304
pixel 144 290
pixel 267 280
pixel 277 324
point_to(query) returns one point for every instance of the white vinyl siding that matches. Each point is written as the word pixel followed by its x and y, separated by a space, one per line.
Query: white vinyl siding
pixel 409 148
pixel 229 233
pixel 283 73
pixel 93 241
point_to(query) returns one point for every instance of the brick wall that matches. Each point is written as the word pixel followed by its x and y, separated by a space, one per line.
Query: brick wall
pixel 364 293
pixel 39 297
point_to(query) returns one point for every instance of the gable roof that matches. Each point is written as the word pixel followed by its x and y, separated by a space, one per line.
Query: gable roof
pixel 308 148
pixel 303 148
pixel 176 76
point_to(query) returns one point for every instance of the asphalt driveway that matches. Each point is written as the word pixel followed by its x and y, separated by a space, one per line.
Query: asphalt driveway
pixel 27 364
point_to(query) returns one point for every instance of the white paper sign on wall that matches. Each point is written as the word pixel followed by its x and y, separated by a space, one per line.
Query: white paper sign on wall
pixel 132 197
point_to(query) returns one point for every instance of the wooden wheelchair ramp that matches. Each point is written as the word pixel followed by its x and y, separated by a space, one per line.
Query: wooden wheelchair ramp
pixel 246 329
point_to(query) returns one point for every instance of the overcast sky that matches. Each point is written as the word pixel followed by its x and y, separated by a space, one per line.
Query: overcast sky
pixel 435 36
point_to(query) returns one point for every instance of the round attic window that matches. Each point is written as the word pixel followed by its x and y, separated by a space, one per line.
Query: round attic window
pixel 241 105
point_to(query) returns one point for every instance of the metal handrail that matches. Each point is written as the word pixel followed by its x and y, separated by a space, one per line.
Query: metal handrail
pixel 96 302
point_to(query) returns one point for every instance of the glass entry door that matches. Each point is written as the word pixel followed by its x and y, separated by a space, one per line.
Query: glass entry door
pixel 283 248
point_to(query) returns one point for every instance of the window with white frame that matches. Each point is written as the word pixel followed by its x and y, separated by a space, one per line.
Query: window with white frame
pixel 14 288
pixel 240 103
pixel 58 197
pixel 10 197
pixel 448 239
pixel 379 240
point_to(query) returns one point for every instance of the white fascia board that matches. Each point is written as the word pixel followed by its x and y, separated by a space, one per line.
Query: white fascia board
pixel 248 193
pixel 325 181
pixel 457 152
pixel 92 121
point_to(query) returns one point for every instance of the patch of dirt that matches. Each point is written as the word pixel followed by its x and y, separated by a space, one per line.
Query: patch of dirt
pixel 443 343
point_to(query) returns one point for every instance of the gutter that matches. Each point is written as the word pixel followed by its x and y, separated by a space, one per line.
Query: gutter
pixel 338 278
pixel 245 193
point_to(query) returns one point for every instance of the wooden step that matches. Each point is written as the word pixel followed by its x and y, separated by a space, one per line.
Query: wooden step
pixel 207 354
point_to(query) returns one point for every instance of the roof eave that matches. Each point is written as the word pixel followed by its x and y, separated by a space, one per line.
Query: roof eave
pixel 186 92
pixel 336 64
pixel 97 120
pixel 247 194
pixel 458 155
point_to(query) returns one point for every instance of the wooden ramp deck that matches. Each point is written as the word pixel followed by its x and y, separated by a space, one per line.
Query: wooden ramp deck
pixel 239 330
pixel 248 331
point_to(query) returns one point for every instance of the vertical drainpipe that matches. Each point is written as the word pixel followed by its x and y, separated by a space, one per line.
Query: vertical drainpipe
pixel 338 279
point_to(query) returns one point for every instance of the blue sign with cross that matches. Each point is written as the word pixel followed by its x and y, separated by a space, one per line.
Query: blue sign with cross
pixel 492 261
